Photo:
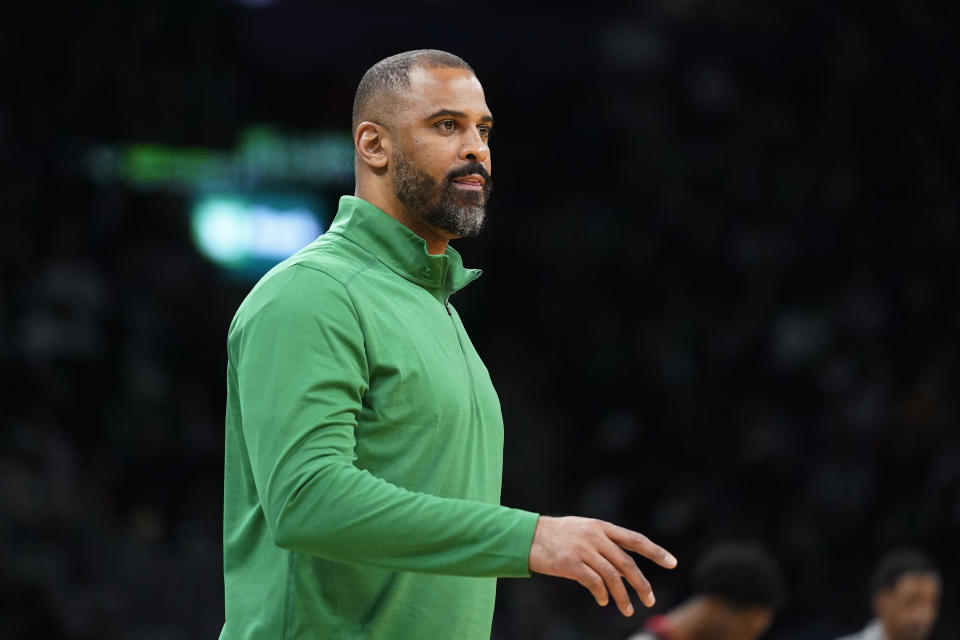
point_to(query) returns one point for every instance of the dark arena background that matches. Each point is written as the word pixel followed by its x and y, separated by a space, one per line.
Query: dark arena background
pixel 720 295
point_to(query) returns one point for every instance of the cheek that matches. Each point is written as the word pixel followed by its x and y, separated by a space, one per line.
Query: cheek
pixel 755 625
pixel 433 146
pixel 418 144
pixel 754 630
pixel 431 157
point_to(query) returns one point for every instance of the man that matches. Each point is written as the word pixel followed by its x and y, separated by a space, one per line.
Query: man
pixel 904 595
pixel 736 588
pixel 363 433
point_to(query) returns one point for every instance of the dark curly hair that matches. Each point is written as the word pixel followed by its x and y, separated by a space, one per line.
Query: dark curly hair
pixel 741 574
pixel 896 563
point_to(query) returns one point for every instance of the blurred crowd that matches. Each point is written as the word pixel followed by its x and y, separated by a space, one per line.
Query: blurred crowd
pixel 719 299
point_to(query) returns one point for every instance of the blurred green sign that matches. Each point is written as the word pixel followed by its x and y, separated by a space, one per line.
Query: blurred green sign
pixel 263 155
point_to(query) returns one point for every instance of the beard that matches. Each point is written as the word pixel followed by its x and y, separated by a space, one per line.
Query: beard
pixel 442 204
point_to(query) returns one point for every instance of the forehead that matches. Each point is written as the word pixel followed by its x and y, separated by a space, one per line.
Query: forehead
pixel 432 89
pixel 917 584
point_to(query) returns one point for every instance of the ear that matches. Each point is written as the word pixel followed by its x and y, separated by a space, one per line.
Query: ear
pixel 373 144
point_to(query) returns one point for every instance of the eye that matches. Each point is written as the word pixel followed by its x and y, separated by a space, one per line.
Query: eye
pixel 484 130
pixel 446 125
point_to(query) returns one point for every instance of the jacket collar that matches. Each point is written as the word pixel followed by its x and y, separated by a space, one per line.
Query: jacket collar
pixel 874 631
pixel 400 249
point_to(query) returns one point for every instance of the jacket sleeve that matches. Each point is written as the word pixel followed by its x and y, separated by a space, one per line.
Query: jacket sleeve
pixel 301 369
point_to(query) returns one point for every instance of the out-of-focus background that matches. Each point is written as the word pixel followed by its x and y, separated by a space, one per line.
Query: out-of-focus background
pixel 720 295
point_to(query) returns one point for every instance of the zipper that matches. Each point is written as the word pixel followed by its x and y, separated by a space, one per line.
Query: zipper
pixel 463 351
pixel 474 402
pixel 443 291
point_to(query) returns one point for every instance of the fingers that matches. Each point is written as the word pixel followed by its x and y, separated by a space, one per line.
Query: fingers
pixel 594 553
pixel 612 579
pixel 592 581
pixel 626 567
pixel 641 544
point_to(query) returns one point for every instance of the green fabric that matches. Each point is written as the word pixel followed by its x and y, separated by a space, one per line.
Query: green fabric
pixel 364 447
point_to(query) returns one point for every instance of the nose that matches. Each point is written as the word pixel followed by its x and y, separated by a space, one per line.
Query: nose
pixel 474 147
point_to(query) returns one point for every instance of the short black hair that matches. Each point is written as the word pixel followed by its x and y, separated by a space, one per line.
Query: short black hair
pixel 392 75
pixel 898 562
pixel 741 574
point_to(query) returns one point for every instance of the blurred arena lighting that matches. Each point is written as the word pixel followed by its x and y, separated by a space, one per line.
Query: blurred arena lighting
pixel 263 155
pixel 245 235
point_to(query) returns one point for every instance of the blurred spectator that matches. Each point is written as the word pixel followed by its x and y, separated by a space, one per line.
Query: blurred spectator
pixel 905 596
pixel 736 589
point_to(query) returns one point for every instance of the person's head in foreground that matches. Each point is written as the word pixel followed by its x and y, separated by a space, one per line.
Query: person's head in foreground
pixel 743 586
pixel 737 587
pixel 905 594
pixel 421 130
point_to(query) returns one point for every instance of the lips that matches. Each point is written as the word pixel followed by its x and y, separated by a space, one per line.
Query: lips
pixel 472 181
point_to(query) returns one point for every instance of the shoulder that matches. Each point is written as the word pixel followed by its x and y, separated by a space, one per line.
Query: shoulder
pixel 327 265
pixel 294 294
pixel 334 255
pixel 289 284
pixel 873 631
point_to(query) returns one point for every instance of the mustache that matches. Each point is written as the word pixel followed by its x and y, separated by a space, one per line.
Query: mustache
pixel 468 169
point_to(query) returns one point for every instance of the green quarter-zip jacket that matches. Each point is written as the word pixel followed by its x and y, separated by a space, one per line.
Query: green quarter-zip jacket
pixel 364 445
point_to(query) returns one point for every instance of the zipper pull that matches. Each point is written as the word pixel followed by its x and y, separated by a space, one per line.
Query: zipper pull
pixel 446 303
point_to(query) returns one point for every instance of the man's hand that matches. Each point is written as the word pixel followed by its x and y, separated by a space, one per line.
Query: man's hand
pixel 592 553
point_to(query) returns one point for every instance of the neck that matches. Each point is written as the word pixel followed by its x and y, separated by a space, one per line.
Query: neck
pixel 436 239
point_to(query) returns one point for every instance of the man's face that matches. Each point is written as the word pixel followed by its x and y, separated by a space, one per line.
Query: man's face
pixel 441 158
pixel 747 623
pixel 909 608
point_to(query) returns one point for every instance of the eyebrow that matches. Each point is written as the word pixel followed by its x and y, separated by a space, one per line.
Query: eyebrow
pixel 458 114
